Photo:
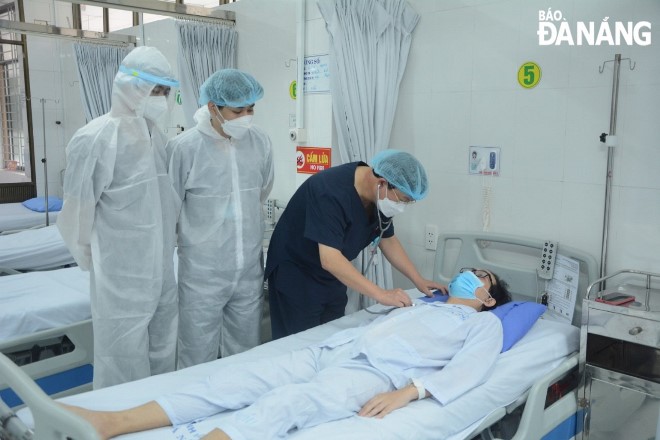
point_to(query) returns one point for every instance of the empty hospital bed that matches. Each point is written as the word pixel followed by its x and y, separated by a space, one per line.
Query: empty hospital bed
pixel 546 354
pixel 15 216
pixel 45 326
pixel 34 249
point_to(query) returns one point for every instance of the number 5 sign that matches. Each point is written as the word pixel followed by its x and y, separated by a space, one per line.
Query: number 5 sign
pixel 529 75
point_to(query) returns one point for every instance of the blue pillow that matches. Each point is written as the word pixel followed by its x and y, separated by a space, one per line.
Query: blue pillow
pixel 37 204
pixel 517 318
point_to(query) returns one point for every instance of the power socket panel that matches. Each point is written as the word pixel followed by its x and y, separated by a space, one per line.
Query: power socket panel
pixel 431 237
pixel 270 211
pixel 546 266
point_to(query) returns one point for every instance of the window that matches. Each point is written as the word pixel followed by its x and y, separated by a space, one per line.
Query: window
pixel 15 163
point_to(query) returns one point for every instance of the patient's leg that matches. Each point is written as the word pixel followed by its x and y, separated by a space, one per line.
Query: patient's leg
pixel 113 423
pixel 239 385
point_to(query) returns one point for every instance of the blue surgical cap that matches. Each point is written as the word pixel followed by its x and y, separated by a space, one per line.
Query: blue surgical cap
pixel 230 88
pixel 402 171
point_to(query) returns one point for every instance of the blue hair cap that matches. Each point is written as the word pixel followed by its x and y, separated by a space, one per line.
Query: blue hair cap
pixel 402 171
pixel 230 88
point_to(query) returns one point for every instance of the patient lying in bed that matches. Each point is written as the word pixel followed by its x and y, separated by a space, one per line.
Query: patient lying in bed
pixel 435 350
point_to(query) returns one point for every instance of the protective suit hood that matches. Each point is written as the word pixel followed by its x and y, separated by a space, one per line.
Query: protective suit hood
pixel 131 87
pixel 203 119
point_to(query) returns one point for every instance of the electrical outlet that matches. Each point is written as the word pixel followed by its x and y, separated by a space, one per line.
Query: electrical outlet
pixel 546 266
pixel 270 211
pixel 431 237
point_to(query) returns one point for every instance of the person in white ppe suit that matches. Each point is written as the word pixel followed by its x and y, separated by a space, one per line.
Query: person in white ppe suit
pixel 222 170
pixel 118 220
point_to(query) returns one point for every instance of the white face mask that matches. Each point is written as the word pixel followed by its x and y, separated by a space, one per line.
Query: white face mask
pixel 388 207
pixel 155 107
pixel 237 128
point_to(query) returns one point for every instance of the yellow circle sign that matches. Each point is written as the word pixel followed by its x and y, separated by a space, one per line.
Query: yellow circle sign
pixel 529 75
pixel 292 89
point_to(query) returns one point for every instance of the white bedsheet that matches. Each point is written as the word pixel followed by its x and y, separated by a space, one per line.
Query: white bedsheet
pixel 34 249
pixel 541 350
pixel 15 216
pixel 36 301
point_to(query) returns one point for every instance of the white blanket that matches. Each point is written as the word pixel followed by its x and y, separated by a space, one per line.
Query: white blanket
pixel 540 351
pixel 34 249
pixel 35 301
pixel 15 216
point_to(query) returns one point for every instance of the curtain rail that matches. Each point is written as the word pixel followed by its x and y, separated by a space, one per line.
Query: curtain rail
pixel 58 32
pixel 176 10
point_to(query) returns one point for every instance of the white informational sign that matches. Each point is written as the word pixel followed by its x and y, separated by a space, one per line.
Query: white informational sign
pixel 317 74
pixel 484 161
pixel 562 288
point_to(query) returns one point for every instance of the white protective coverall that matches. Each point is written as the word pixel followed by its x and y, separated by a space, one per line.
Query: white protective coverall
pixel 118 220
pixel 222 184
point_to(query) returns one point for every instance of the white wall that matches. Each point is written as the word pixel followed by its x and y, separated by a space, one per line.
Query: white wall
pixel 266 44
pixel 460 89
pixel 461 80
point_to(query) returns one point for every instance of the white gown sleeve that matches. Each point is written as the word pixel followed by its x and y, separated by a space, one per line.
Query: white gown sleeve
pixel 472 364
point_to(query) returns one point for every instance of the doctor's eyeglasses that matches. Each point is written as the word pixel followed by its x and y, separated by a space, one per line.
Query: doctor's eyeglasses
pixel 480 273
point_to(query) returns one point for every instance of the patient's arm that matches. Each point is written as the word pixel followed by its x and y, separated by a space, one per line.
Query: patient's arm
pixel 113 423
pixel 384 403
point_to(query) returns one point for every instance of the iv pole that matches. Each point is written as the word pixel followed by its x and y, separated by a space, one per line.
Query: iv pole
pixel 611 141
pixel 43 159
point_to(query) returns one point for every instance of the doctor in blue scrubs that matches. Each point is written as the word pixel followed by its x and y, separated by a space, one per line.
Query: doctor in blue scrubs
pixel 330 219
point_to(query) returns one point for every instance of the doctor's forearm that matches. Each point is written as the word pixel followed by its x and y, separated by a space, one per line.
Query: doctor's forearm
pixel 334 262
pixel 397 256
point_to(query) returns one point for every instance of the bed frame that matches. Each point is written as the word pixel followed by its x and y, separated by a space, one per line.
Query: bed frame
pixel 513 258
pixel 59 361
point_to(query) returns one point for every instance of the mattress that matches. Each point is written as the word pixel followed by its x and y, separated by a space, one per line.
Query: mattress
pixel 15 216
pixel 545 346
pixel 35 301
pixel 34 249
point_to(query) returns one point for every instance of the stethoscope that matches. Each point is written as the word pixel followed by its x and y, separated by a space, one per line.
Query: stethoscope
pixel 383 226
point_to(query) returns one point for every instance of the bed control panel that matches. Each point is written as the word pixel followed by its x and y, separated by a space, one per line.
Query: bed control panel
pixel 547 261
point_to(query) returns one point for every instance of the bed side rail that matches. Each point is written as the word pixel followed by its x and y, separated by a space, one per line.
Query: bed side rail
pixel 532 423
pixel 66 371
pixel 52 421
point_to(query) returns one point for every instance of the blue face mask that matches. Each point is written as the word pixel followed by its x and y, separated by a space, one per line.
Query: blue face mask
pixel 464 285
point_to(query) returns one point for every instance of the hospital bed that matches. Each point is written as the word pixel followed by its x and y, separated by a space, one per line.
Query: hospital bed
pixel 45 326
pixel 15 216
pixel 40 248
pixel 544 358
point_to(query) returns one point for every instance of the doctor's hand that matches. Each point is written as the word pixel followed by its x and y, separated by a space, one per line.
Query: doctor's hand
pixel 427 287
pixel 382 404
pixel 394 297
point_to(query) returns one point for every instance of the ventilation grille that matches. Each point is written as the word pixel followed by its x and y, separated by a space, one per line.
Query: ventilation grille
pixel 17 193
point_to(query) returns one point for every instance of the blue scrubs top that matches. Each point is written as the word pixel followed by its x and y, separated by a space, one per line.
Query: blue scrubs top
pixel 325 209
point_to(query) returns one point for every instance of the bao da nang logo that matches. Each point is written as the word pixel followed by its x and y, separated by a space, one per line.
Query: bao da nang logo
pixel 554 29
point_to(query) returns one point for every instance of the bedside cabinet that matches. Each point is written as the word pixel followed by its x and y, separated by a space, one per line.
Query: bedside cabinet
pixel 619 392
